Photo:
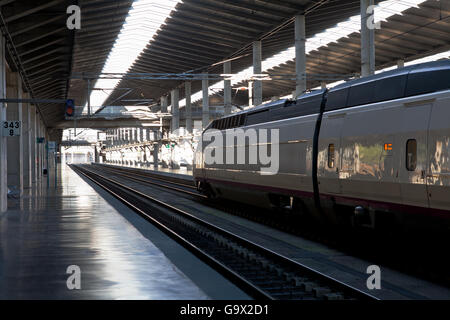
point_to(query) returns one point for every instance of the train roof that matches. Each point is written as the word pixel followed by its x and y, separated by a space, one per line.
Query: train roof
pixel 399 83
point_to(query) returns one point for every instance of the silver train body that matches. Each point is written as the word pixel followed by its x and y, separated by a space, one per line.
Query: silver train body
pixel 370 151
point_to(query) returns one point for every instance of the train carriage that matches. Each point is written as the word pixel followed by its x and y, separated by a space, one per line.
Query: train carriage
pixel 365 150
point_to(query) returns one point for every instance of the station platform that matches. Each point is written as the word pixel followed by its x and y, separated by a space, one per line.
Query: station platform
pixel 73 222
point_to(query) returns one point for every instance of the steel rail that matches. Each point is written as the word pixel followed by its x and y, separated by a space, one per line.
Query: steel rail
pixel 242 283
pixel 148 174
pixel 131 175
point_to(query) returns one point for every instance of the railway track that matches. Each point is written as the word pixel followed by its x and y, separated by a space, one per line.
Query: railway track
pixel 184 188
pixel 370 246
pixel 260 272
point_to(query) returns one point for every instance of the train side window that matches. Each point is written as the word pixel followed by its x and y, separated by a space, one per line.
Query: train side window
pixel 227 123
pixel 331 155
pixel 411 154
pixel 235 121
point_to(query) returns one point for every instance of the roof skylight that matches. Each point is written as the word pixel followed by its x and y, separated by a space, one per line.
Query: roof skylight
pixel 144 19
pixel 383 11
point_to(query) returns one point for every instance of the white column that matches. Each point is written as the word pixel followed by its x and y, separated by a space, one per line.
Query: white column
pixel 205 105
pixel 257 69
pixel 3 141
pixel 174 96
pixel 27 154
pixel 300 55
pixel 187 87
pixel 227 89
pixel 36 146
pixel 15 144
pixel 164 104
pixel 32 112
pixel 250 93
pixel 367 41
pixel 155 155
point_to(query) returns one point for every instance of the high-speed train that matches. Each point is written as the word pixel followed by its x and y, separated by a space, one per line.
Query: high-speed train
pixel 373 151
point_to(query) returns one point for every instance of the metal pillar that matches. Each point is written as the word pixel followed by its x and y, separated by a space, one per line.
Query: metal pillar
pixel 89 97
pixel 400 63
pixel 15 144
pixel 3 141
pixel 32 113
pixel 27 155
pixel 227 89
pixel 36 146
pixel 164 104
pixel 175 96
pixel 188 87
pixel 367 41
pixel 250 93
pixel 155 156
pixel 300 55
pixel 205 106
pixel 257 69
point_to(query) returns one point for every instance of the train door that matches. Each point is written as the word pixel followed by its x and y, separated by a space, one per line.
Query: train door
pixel 329 153
pixel 413 148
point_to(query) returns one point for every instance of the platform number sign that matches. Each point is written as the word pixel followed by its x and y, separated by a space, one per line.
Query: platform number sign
pixel 11 128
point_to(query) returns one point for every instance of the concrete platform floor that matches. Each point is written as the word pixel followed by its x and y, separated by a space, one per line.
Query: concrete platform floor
pixel 120 255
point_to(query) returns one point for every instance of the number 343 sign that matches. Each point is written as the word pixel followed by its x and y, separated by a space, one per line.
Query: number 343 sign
pixel 11 128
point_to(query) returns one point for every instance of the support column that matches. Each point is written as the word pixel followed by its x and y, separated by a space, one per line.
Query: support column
pixel 15 144
pixel 27 154
pixel 250 93
pixel 32 112
pixel 400 63
pixel 164 104
pixel 227 89
pixel 205 102
pixel 175 96
pixel 300 55
pixel 36 146
pixel 187 87
pixel 257 69
pixel 367 41
pixel 155 156
pixel 3 141
pixel 42 149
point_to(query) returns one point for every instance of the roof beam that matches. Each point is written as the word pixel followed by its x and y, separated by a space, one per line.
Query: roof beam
pixel 32 10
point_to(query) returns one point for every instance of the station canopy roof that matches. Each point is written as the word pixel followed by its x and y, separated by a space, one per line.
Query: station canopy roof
pixel 195 36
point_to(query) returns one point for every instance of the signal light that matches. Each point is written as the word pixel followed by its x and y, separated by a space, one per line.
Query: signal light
pixel 70 107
